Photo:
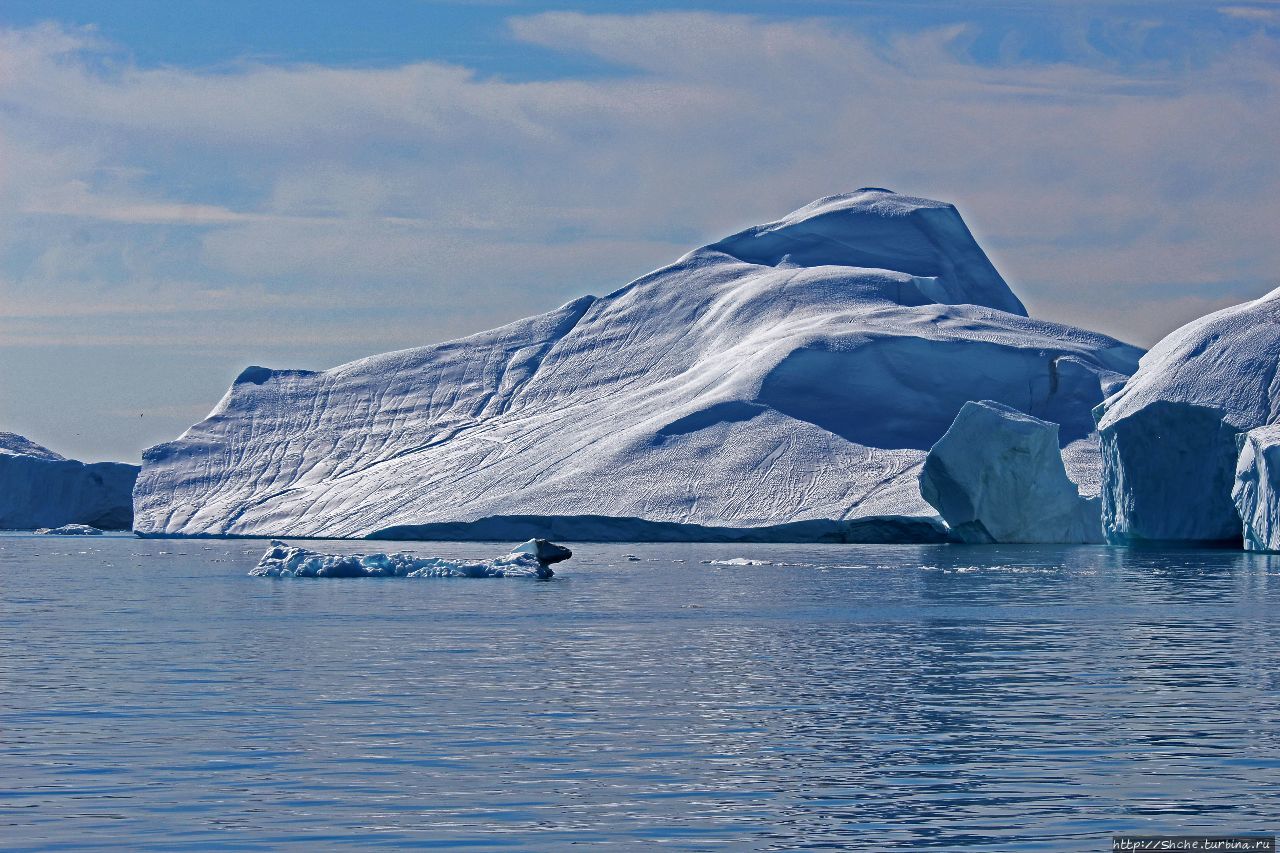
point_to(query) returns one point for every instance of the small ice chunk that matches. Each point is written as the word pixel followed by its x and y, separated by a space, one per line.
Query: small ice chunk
pixel 738 561
pixel 543 551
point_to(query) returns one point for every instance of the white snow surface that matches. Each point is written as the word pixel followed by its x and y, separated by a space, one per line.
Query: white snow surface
pixel 42 489
pixel 782 383
pixel 1257 488
pixel 997 476
pixel 1169 436
pixel 285 561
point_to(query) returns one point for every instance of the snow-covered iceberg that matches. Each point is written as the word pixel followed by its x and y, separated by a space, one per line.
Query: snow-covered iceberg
pixel 997 476
pixel 1169 436
pixel 1257 488
pixel 533 559
pixel 782 384
pixel 39 488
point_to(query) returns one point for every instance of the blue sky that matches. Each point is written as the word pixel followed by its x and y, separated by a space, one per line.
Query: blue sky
pixel 188 188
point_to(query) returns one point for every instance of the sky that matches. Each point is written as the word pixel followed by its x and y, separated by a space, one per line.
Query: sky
pixel 190 188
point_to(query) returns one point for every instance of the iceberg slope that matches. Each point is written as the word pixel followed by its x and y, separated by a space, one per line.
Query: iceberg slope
pixel 40 488
pixel 782 383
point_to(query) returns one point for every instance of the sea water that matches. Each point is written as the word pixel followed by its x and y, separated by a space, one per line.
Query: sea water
pixel 154 696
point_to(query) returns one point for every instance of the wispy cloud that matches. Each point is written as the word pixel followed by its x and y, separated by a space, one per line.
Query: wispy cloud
pixel 387 207
pixel 1262 14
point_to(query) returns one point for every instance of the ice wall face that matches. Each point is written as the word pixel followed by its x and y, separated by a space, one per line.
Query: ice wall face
pixel 1169 437
pixel 783 383
pixel 39 488
pixel 997 476
pixel 1257 488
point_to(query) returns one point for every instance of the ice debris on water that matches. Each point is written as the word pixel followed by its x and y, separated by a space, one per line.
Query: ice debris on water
pixel 533 559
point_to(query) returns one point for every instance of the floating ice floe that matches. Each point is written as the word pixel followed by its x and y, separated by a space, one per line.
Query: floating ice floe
pixel 533 559
pixel 70 530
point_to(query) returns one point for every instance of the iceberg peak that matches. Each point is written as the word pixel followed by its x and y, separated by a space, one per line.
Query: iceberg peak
pixel 878 229
pixel 16 445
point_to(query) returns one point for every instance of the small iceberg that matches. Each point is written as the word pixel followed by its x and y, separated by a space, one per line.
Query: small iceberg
pixel 533 559
pixel 69 530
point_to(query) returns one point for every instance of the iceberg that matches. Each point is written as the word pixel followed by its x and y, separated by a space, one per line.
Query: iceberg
pixel 70 530
pixel 781 384
pixel 533 559
pixel 997 475
pixel 1169 437
pixel 40 488
pixel 1256 492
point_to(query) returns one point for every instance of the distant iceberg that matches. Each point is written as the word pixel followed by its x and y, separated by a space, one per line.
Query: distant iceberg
pixel 40 488
pixel 70 530
pixel 533 559
pixel 782 384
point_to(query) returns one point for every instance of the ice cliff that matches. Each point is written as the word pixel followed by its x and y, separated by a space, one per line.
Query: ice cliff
pixel 39 488
pixel 783 383
pixel 1169 438
pixel 1256 492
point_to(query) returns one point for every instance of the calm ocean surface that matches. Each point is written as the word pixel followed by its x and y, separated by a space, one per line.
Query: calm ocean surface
pixel 152 696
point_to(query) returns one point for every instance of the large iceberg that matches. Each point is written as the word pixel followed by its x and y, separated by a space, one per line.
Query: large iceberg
pixel 997 475
pixel 533 559
pixel 1257 488
pixel 781 384
pixel 1169 436
pixel 40 488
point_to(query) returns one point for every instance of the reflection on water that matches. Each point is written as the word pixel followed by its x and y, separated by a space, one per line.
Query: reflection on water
pixel 860 697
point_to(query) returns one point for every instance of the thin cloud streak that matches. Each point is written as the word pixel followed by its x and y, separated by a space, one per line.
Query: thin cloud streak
pixel 297 204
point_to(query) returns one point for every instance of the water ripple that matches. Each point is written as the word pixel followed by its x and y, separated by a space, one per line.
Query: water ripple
pixel 842 697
